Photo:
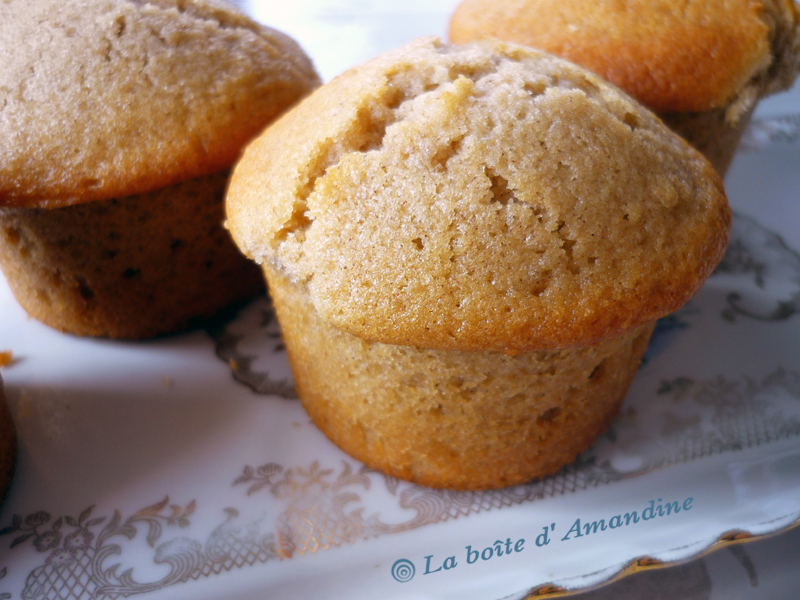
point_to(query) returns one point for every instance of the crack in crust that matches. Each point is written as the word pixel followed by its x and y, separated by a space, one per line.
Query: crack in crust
pixel 484 196
pixel 375 115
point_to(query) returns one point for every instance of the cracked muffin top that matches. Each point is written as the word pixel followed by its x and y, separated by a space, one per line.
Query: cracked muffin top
pixel 672 55
pixel 481 197
pixel 109 98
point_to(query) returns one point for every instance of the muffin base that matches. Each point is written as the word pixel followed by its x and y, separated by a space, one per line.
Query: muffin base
pixel 133 267
pixel 710 133
pixel 8 446
pixel 451 419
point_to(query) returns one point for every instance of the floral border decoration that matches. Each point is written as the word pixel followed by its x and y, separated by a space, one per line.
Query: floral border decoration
pixel 319 507
pixel 78 550
pixel 764 257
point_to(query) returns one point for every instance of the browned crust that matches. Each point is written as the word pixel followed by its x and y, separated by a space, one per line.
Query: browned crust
pixel 450 419
pixel 669 54
pixel 127 268
pixel 109 99
pixel 509 206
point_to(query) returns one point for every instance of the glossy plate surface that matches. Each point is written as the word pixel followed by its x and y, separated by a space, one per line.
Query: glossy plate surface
pixel 184 467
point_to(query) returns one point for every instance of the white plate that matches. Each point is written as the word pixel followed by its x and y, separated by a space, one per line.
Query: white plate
pixel 148 468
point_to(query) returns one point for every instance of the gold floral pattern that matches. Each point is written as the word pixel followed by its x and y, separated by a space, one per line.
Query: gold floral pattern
pixel 318 506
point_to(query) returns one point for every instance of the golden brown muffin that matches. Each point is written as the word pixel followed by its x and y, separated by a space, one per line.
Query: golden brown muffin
pixel 451 418
pixel 467 248
pixel 119 125
pixel 8 445
pixel 702 66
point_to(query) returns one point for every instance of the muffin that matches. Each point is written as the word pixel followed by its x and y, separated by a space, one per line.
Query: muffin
pixel 467 248
pixel 120 123
pixel 702 66
pixel 8 445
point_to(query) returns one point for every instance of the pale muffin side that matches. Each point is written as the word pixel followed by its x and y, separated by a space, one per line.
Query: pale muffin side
pixel 449 418
pixel 132 267
pixel 476 198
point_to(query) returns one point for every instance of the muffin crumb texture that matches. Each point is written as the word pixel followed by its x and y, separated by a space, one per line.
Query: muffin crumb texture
pixel 672 55
pixel 702 66
pixel 453 419
pixel 105 99
pixel 483 197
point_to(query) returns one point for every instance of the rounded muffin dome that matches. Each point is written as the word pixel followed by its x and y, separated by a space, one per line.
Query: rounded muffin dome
pixel 670 55
pixel 110 98
pixel 480 197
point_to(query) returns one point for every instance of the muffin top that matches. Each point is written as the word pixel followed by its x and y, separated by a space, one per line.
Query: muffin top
pixel 108 98
pixel 480 197
pixel 671 55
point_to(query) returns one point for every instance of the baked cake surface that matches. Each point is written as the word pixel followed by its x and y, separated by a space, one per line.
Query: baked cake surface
pixel 449 418
pixel 482 197
pixel 109 98
pixel 119 123
pixel 672 55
